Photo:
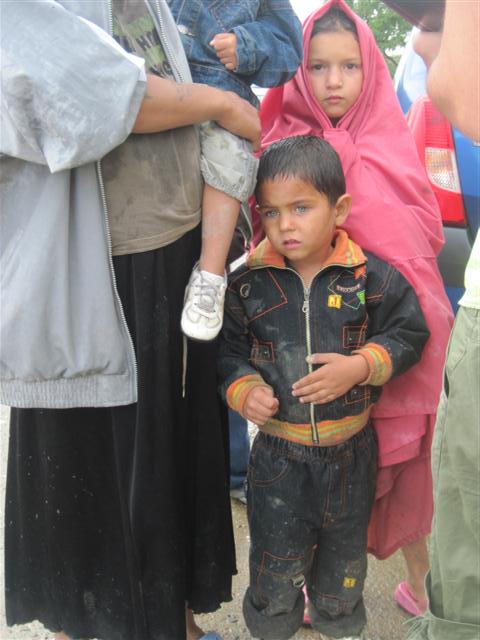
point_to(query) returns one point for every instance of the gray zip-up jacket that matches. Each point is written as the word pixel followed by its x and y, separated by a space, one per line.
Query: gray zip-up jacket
pixel 65 104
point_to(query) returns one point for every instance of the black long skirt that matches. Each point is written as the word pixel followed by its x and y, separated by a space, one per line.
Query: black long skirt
pixel 116 518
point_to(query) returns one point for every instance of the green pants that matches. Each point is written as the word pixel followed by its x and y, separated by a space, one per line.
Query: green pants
pixel 453 584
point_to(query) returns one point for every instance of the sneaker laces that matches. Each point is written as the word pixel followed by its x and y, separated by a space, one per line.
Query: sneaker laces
pixel 206 295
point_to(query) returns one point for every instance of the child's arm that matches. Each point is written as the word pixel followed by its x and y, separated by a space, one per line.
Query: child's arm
pixel 397 332
pixel 338 375
pixel 260 405
pixel 268 50
pixel 243 388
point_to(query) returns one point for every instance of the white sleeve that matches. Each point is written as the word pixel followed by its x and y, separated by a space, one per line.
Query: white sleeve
pixel 69 93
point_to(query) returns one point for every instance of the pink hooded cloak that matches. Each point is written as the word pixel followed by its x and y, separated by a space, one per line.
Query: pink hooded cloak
pixel 394 215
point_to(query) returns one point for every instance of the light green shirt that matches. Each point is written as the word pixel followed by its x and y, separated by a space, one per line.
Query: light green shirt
pixel 471 297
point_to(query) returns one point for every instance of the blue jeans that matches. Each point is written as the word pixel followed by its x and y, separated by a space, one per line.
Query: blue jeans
pixel 308 511
pixel 239 449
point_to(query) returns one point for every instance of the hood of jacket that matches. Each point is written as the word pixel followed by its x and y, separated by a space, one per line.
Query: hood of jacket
pixel 345 253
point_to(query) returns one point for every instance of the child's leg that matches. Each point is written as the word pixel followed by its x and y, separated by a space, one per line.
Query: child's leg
pixel 202 315
pixel 219 217
pixel 335 584
pixel 282 539
pixel 417 562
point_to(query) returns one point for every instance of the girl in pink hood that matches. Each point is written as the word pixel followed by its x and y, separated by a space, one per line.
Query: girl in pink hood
pixel 343 92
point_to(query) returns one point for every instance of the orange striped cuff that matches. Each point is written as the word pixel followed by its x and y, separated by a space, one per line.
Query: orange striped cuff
pixel 238 391
pixel 379 363
pixel 330 432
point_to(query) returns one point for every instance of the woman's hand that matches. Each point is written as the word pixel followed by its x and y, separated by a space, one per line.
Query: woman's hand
pixel 169 105
pixel 240 118
pixel 338 375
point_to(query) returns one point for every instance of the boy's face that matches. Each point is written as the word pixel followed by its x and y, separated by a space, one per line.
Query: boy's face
pixel 299 221
pixel 335 69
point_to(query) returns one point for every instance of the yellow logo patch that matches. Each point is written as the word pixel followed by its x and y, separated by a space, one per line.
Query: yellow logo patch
pixel 335 301
pixel 349 583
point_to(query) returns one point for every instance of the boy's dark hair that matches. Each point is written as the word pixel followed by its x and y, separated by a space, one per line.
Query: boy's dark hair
pixel 332 21
pixel 307 158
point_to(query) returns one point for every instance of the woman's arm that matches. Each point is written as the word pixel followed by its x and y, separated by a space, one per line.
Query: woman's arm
pixel 63 105
pixel 454 75
pixel 169 105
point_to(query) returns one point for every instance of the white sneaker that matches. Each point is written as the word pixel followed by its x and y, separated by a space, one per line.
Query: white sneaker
pixel 202 314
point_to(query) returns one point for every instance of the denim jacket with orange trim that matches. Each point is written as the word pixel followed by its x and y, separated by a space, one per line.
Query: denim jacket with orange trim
pixel 356 304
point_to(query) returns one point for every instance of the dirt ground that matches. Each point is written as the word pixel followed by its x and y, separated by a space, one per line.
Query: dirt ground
pixel 386 620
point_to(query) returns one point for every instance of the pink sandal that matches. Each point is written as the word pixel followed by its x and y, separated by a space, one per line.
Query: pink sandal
pixel 405 599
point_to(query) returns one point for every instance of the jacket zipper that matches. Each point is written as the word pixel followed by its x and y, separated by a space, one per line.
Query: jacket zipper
pixel 166 44
pixel 308 337
pixel 109 239
pixel 306 311
pixel 110 17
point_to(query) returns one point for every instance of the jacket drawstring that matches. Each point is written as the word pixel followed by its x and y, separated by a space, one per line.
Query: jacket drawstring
pixel 184 364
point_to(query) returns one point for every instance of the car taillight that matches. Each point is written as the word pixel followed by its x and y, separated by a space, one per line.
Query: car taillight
pixel 434 140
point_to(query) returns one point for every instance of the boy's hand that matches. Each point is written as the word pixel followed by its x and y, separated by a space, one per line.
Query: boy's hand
pixel 225 45
pixel 338 374
pixel 260 405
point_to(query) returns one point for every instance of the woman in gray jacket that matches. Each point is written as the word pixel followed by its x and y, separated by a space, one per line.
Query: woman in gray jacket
pixel 117 512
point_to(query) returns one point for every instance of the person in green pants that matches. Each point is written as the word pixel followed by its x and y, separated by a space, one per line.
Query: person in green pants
pixel 453 583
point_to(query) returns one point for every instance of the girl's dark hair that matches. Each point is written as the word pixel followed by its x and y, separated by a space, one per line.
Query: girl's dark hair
pixel 332 21
pixel 306 158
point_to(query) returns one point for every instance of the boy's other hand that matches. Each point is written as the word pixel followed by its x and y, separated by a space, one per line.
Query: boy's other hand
pixel 260 405
pixel 337 376
pixel 225 45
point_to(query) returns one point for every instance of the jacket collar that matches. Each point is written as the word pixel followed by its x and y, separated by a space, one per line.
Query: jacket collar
pixel 345 253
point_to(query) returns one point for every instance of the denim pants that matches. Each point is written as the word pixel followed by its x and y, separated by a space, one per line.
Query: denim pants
pixel 239 449
pixel 308 511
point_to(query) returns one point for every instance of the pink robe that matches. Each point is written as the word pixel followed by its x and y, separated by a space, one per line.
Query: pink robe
pixel 394 215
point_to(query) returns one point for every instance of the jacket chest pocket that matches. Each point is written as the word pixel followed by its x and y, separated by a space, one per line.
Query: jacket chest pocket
pixel 358 395
pixel 354 336
pixel 346 290
pixel 259 298
pixel 262 351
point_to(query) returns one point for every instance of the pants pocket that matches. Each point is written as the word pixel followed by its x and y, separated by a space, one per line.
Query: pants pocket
pixel 266 467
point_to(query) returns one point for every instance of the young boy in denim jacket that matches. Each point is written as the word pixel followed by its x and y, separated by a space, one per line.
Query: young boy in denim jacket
pixel 229 45
pixel 313 328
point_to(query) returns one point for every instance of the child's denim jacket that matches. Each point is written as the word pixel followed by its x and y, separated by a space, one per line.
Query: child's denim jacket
pixel 269 41
pixel 356 304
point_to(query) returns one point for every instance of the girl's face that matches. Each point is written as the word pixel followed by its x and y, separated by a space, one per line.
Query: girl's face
pixel 335 69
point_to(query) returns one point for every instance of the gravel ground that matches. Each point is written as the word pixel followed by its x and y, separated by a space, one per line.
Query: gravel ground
pixel 386 620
